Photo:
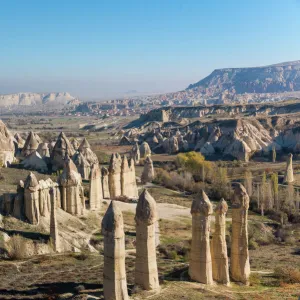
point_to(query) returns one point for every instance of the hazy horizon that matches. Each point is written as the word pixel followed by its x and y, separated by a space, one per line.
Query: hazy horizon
pixel 103 50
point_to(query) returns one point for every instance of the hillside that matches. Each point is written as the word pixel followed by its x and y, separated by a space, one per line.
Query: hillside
pixel 278 78
pixel 31 99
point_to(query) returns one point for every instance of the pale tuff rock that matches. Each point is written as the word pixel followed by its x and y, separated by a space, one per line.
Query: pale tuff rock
pixel 289 174
pixel 96 193
pixel 61 149
pixel 31 199
pixel 75 143
pixel 31 144
pixel 125 141
pixel 240 266
pixel 18 210
pixel 220 268
pixel 145 150
pixel 128 182
pixel 43 150
pixel 19 141
pixel 54 236
pixel 7 146
pixel 105 184
pixel 34 161
pixel 89 155
pixel 83 166
pixel 115 176
pixel 200 268
pixel 114 273
pixel 171 145
pixel 146 274
pixel 71 189
pixel 135 153
pixel 148 172
pixel 44 197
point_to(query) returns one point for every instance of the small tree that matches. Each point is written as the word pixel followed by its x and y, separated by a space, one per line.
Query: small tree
pixel 274 185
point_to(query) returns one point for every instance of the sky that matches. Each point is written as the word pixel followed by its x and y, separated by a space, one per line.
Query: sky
pixel 106 48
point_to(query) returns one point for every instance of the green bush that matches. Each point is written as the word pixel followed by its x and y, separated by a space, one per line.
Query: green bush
pixel 287 274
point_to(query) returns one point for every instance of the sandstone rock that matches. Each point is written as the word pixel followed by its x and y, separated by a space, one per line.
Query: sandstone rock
pixel 31 144
pixel 83 166
pixel 289 174
pixel 44 198
pixel 115 176
pixel 75 143
pixel 146 274
pixel 135 153
pixel 200 268
pixel 145 150
pixel 71 189
pixel 240 266
pixel 105 184
pixel 86 151
pixel 128 182
pixel 61 149
pixel 114 273
pixel 148 172
pixel 125 141
pixel 31 199
pixel 18 211
pixel 34 161
pixel 43 150
pixel 96 193
pixel 54 236
pixel 220 268
pixel 19 141
pixel 7 147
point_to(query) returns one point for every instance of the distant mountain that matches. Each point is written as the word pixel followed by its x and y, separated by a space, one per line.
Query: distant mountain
pixel 278 78
pixel 32 99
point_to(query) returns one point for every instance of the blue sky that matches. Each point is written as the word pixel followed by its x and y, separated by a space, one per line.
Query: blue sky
pixel 99 49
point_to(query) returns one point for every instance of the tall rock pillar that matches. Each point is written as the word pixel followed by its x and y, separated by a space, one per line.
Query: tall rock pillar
pixel 218 245
pixel 114 273
pixel 239 259
pixel 54 236
pixel 146 274
pixel 200 260
pixel 289 174
pixel 96 193
pixel 115 176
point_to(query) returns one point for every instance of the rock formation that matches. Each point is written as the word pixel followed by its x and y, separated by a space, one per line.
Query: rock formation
pixel 115 176
pixel 200 268
pixel 239 259
pixel 54 236
pixel 145 150
pixel 75 143
pixel 135 154
pixel 7 147
pixel 219 256
pixel 289 174
pixel 128 182
pixel 148 171
pixel 146 274
pixel 20 142
pixel 18 211
pixel 71 189
pixel 105 184
pixel 89 155
pixel 83 166
pixel 61 149
pixel 43 150
pixel 44 197
pixel 31 199
pixel 31 144
pixel 96 193
pixel 114 273
pixel 34 161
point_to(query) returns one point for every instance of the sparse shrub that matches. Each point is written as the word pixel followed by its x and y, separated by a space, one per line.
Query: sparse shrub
pixel 172 255
pixel 253 245
pixel 16 247
pixel 287 274
pixel 254 279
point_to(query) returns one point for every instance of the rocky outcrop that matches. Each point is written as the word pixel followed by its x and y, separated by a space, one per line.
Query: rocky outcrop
pixel 128 181
pixel 96 193
pixel 148 171
pixel 20 142
pixel 289 173
pixel 54 235
pixel 115 176
pixel 61 150
pixel 71 189
pixel 83 166
pixel 44 197
pixel 146 274
pixel 200 268
pixel 43 150
pixel 18 210
pixel 75 143
pixel 145 150
pixel 31 199
pixel 35 162
pixel 31 144
pixel 135 153
pixel 105 184
pixel 240 266
pixel 114 273
pixel 171 145
pixel 7 147
pixel 220 269
pixel 87 153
